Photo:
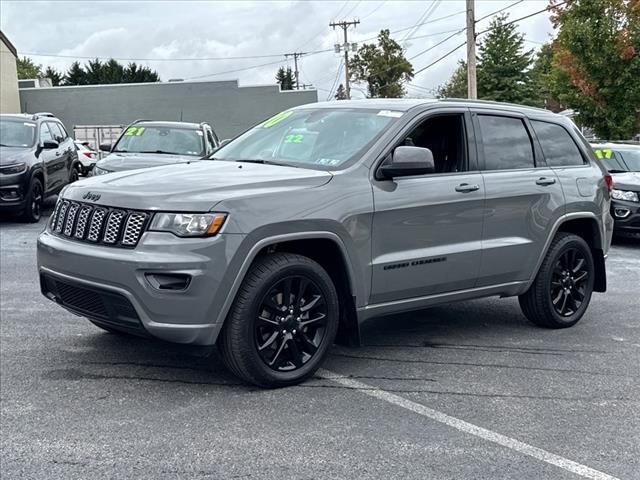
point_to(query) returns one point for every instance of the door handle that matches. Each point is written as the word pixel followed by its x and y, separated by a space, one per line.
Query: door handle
pixel 544 181
pixel 466 188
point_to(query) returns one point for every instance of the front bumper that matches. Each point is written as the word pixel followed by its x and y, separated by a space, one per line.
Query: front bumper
pixel 12 192
pixel 183 316
pixel 626 216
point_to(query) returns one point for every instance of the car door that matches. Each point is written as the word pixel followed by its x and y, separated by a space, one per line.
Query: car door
pixel 52 159
pixel 66 149
pixel 427 229
pixel 523 197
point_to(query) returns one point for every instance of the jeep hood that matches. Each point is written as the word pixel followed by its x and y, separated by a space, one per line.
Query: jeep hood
pixel 118 162
pixel 194 187
pixel 627 181
pixel 11 155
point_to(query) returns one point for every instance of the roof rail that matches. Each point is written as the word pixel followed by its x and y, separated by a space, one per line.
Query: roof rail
pixel 44 114
pixel 140 120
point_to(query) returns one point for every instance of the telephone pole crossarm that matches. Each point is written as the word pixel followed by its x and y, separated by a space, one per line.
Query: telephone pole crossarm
pixel 295 56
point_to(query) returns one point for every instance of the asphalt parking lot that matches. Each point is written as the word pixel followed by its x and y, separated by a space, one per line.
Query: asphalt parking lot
pixel 466 391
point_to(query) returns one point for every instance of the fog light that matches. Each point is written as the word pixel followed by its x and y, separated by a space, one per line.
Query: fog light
pixel 621 212
pixel 12 194
pixel 169 281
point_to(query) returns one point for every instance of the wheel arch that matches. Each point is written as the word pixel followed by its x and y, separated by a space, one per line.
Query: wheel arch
pixel 586 226
pixel 327 249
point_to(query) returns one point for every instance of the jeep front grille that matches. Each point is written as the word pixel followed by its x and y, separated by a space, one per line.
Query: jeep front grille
pixel 102 225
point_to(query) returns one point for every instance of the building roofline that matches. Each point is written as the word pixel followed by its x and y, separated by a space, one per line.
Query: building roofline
pixel 8 43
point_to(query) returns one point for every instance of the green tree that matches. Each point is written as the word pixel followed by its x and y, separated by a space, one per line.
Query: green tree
pixel 341 93
pixel 540 76
pixel 596 64
pixel 285 78
pixel 134 73
pixel 456 86
pixel 27 69
pixel 75 75
pixel 383 67
pixel 504 65
pixel 54 75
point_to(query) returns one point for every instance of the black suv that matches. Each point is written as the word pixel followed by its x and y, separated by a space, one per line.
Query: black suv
pixel 146 143
pixel 37 159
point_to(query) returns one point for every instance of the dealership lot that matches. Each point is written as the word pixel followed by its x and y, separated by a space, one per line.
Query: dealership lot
pixel 80 403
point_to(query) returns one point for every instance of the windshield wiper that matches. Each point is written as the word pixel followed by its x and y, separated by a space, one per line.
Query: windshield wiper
pixel 161 151
pixel 268 162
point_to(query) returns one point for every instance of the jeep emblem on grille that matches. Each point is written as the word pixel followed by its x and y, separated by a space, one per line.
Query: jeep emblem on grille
pixel 93 197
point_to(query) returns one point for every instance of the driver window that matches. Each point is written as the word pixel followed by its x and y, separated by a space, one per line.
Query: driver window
pixel 444 135
pixel 45 133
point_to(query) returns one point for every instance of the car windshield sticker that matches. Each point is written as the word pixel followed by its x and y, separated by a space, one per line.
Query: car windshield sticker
pixel 276 119
pixel 294 138
pixel 389 113
pixel 131 131
pixel 603 153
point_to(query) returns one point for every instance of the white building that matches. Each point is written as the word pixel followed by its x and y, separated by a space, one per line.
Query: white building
pixel 9 97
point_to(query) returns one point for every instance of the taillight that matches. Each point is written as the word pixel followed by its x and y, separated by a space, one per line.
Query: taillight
pixel 608 179
pixel 88 154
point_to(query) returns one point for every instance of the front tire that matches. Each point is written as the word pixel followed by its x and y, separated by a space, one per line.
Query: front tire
pixel 560 294
pixel 33 202
pixel 282 322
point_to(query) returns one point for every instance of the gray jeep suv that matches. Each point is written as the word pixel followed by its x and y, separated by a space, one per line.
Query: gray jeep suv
pixel 325 215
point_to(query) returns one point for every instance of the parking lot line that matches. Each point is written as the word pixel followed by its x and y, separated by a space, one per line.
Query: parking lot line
pixel 489 435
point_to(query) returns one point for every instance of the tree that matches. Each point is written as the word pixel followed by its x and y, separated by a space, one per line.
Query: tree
pixel 456 86
pixel 75 75
pixel 54 75
pixel 383 67
pixel 341 93
pixel 27 69
pixel 285 78
pixel 596 64
pixel 540 76
pixel 504 66
pixel 96 72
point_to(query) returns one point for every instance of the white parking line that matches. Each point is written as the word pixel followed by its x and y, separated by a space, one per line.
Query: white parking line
pixel 467 427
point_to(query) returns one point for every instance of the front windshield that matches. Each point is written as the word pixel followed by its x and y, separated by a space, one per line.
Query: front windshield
pixel 631 158
pixel 17 133
pixel 155 139
pixel 619 160
pixel 314 138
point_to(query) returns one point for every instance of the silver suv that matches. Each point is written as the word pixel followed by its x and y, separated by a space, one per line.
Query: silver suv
pixel 325 215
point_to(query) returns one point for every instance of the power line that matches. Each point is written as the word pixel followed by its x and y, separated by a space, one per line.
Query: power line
pixel 374 10
pixel 430 10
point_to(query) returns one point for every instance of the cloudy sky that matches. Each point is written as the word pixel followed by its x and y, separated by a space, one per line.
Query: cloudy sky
pixel 210 40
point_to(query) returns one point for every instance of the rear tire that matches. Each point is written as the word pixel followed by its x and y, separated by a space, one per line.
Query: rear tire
pixel 282 322
pixel 33 203
pixel 74 175
pixel 560 294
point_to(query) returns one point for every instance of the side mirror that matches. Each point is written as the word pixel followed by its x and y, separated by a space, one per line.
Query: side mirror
pixel 105 147
pixel 50 145
pixel 224 142
pixel 407 161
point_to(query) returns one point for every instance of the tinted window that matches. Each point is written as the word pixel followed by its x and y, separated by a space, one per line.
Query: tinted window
pixel 56 131
pixel 506 143
pixel 45 134
pixel 557 145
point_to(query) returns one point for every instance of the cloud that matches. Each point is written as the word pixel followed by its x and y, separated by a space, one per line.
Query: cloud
pixel 185 30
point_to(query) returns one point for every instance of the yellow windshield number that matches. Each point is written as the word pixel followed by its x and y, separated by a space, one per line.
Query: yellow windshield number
pixel 603 153
pixel 134 131
pixel 294 138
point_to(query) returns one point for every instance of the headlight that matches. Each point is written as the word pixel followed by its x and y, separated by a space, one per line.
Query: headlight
pixel 188 224
pixel 624 195
pixel 99 171
pixel 13 169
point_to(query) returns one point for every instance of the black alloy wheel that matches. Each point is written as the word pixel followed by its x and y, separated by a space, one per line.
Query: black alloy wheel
pixel 561 292
pixel 74 176
pixel 569 282
pixel 37 197
pixel 291 323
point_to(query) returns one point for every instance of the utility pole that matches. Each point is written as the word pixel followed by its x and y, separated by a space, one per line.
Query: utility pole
pixel 295 56
pixel 345 26
pixel 472 89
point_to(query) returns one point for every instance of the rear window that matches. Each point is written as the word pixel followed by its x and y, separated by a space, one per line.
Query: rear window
pixel 506 143
pixel 558 146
